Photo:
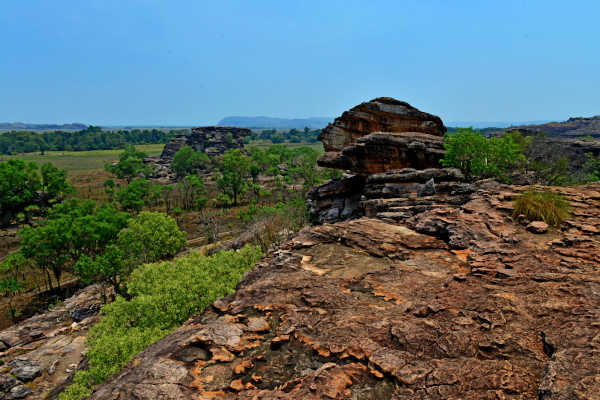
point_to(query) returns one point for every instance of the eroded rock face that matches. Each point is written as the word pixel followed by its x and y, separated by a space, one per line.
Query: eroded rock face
pixel 411 141
pixel 212 140
pixel 383 114
pixel 448 298
pixel 380 152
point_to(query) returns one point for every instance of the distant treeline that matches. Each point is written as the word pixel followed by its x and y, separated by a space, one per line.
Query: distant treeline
pixel 91 138
pixel 292 136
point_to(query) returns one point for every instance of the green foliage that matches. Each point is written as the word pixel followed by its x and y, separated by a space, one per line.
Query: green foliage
pixel 479 157
pixel 163 296
pixel 54 182
pixel 148 237
pixel 71 229
pixel 292 136
pixel 22 185
pixel 10 284
pixel 151 236
pixel 135 195
pixel 235 167
pixel 547 206
pixel 130 165
pixel 91 138
pixel 187 161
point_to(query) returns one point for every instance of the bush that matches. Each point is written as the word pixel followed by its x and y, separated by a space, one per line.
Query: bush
pixel 163 296
pixel 479 157
pixel 547 206
pixel 150 237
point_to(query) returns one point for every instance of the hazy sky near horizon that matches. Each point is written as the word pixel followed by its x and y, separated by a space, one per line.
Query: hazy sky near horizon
pixel 193 62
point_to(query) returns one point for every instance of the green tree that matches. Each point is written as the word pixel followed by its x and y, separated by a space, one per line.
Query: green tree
pixel 151 236
pixel 130 165
pixel 187 161
pixel 10 284
pixel 71 229
pixel 235 167
pixel 19 184
pixel 54 183
pixel 148 237
pixel 480 157
pixel 135 195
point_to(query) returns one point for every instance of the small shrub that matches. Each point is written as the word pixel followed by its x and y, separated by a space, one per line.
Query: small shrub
pixel 547 206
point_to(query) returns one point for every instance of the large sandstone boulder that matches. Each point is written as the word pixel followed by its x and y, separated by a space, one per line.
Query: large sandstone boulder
pixel 383 151
pixel 383 114
pixel 377 142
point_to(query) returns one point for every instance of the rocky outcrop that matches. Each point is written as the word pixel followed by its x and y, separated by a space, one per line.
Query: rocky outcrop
pixel 571 128
pixel 41 354
pixel 448 298
pixel 380 152
pixel 212 140
pixel 383 114
pixel 404 160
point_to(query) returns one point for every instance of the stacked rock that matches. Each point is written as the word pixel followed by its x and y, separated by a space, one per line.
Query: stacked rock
pixel 389 150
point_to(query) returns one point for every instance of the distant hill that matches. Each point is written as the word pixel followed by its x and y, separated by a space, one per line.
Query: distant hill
pixel 275 123
pixel 573 127
pixel 21 126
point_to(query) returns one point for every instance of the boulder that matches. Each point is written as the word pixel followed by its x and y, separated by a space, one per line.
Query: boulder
pixel 428 189
pixel 24 369
pixel 383 114
pixel 382 151
pixel 537 227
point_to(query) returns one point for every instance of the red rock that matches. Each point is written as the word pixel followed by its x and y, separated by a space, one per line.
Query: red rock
pixel 537 227
pixel 383 114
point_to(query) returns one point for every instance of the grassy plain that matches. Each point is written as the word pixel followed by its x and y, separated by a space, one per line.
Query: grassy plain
pixel 78 162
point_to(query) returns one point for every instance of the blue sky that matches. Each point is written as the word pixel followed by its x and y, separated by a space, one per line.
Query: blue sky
pixel 194 62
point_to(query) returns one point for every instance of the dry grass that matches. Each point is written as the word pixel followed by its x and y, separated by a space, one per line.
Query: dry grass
pixel 547 206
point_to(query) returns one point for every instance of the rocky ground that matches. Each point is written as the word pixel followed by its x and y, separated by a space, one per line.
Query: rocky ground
pixel 414 285
pixel 41 354
pixel 456 301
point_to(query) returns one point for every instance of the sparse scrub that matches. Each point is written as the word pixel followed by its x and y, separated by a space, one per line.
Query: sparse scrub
pixel 547 206
pixel 163 296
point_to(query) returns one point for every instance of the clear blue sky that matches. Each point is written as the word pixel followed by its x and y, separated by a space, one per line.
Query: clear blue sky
pixel 194 62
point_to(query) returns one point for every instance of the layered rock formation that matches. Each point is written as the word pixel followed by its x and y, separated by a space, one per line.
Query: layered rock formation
pixel 212 140
pixel 354 143
pixel 383 114
pixel 450 300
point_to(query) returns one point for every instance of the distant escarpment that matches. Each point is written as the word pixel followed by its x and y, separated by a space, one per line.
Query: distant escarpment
pixel 212 140
pixel 571 128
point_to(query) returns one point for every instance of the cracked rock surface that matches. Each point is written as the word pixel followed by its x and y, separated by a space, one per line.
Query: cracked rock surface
pixel 41 354
pixel 451 300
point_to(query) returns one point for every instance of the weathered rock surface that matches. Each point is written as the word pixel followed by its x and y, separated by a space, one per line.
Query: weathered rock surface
pixel 212 140
pixel 41 351
pixel 382 164
pixel 383 114
pixel 537 227
pixel 449 299
pixel 382 151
